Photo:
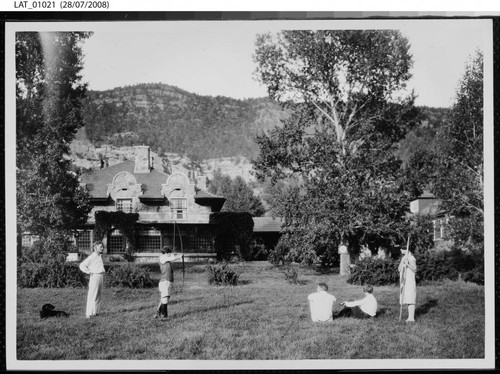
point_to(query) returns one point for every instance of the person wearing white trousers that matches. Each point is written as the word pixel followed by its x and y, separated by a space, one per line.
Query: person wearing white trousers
pixel 407 269
pixel 94 266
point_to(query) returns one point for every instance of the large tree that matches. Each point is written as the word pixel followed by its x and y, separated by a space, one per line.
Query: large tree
pixel 338 147
pixel 49 94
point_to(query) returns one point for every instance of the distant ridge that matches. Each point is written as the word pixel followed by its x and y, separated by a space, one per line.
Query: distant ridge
pixel 170 119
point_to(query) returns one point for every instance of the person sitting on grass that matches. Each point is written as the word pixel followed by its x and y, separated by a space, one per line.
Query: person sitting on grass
pixel 363 308
pixel 321 304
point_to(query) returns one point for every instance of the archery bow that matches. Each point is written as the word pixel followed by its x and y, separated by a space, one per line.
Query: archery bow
pixel 403 280
pixel 182 249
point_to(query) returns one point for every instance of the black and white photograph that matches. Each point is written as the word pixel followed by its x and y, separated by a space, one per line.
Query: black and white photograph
pixel 309 193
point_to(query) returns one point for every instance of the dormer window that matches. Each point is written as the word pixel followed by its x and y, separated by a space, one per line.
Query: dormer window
pixel 178 207
pixel 124 205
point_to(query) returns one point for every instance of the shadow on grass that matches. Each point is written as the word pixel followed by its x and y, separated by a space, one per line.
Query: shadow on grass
pixel 208 309
pixel 423 309
pixel 324 270
pixel 381 312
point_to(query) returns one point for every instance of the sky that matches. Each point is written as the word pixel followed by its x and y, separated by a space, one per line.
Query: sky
pixel 215 57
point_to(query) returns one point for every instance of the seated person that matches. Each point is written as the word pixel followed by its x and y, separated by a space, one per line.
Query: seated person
pixel 321 303
pixel 363 308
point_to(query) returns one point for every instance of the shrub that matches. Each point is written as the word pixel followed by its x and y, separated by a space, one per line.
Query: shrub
pixel 475 275
pixel 291 273
pixel 54 274
pixel 129 275
pixel 115 258
pixel 220 275
pixel 433 266
pixel 376 271
pixel 233 230
pixel 54 246
pixel 278 255
pixel 44 264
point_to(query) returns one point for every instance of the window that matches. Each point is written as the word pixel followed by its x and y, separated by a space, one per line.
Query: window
pixel 200 241
pixel 149 240
pixel 84 240
pixel 116 242
pixel 124 205
pixel 28 240
pixel 178 206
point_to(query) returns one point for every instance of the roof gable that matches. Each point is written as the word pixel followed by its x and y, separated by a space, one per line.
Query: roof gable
pixel 97 183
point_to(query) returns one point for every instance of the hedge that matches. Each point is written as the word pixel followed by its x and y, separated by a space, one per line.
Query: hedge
pixel 232 228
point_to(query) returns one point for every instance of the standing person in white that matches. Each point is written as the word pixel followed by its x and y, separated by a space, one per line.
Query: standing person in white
pixel 94 266
pixel 408 295
pixel 321 304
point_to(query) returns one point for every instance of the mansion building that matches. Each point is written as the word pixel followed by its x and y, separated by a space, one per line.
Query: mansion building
pixel 172 210
pixel 167 210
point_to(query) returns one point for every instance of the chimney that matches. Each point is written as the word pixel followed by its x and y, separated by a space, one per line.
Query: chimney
pixel 142 159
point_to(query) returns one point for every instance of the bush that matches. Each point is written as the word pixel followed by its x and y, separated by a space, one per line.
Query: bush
pixel 55 274
pixel 129 275
pixel 54 246
pixel 219 275
pixel 259 251
pixel 44 264
pixel 291 273
pixel 475 275
pixel 234 230
pixel 433 266
pixel 375 271
pixel 279 254
pixel 115 258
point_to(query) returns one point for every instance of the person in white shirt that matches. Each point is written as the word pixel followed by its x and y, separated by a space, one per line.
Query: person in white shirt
pixel 321 304
pixel 363 308
pixel 94 266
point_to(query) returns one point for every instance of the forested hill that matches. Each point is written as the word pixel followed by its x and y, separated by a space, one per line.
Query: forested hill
pixel 170 119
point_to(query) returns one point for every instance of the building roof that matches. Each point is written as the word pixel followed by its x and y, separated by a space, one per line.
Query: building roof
pixel 433 209
pixel 207 199
pixel 267 224
pixel 97 183
pixel 207 195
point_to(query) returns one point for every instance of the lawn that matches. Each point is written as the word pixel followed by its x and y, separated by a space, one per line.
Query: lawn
pixel 263 318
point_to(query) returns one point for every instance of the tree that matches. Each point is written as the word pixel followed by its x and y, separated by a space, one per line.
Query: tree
pixel 455 170
pixel 49 95
pixel 338 146
pixel 239 196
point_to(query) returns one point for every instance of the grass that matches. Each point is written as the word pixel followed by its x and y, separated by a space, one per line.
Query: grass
pixel 263 318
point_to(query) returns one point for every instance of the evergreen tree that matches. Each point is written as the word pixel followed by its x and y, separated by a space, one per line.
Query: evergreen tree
pixel 239 196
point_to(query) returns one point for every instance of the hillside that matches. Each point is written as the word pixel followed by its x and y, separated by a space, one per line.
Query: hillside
pixel 191 132
pixel 173 120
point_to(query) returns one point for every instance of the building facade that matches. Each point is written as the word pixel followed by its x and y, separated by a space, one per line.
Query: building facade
pixel 428 204
pixel 172 210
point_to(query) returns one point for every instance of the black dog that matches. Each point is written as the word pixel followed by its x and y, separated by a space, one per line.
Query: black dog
pixel 48 311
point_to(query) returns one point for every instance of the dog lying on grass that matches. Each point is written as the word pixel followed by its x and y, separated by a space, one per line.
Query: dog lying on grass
pixel 48 311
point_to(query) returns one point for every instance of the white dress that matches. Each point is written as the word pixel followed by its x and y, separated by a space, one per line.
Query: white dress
pixel 409 294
